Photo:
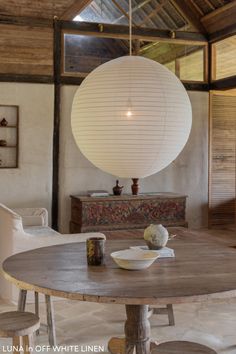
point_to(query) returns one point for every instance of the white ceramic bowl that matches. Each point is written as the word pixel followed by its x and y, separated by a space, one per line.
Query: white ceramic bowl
pixel 134 259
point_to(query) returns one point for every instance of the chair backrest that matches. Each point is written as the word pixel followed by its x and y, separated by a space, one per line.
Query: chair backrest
pixel 10 222
pixel 10 227
pixel 33 216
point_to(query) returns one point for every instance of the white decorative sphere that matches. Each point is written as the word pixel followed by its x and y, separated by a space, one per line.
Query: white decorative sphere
pixel 156 236
pixel 131 117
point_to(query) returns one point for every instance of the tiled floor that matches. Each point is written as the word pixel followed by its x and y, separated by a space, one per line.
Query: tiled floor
pixel 83 324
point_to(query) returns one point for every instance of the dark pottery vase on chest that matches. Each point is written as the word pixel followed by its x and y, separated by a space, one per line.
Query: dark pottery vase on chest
pixel 117 190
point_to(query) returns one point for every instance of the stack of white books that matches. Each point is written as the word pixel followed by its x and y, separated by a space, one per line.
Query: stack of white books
pixel 98 193
pixel 164 252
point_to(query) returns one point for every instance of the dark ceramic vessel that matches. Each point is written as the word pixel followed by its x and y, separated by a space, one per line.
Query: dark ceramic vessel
pixel 3 143
pixel 135 186
pixel 117 190
pixel 4 122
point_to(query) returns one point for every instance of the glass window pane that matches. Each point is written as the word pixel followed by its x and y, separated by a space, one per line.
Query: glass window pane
pixel 186 61
pixel 82 54
pixel 224 62
pixel 191 67
pixel 171 66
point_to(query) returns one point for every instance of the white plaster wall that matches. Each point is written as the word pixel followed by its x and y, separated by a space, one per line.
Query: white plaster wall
pixel 31 183
pixel 188 174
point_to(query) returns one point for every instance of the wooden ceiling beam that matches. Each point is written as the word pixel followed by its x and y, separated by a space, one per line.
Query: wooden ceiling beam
pixel 122 32
pixel 75 9
pixel 220 10
pixel 222 34
pixel 190 13
pixel 224 84
pixel 220 18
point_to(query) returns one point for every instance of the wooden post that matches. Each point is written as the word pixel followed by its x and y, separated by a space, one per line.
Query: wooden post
pixel 177 67
pixel 56 127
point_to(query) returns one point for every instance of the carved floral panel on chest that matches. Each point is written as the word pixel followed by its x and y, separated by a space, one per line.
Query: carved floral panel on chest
pixel 126 212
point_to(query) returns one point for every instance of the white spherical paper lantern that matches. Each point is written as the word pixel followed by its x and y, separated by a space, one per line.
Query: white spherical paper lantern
pixel 131 117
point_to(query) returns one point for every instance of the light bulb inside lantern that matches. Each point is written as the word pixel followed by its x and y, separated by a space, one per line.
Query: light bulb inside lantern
pixel 129 109
pixel 129 114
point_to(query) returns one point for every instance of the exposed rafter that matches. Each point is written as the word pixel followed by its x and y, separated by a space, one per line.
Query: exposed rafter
pixel 198 9
pixel 75 9
pixel 137 7
pixel 210 4
pixel 190 13
pixel 154 12
pixel 123 11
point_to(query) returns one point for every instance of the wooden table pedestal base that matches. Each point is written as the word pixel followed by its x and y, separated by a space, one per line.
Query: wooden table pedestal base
pixel 137 338
pixel 137 333
pixel 117 346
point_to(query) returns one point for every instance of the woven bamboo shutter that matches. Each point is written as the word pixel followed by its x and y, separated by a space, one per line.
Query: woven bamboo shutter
pixel 222 160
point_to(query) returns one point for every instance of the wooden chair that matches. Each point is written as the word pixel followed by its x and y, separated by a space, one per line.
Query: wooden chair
pixel 20 326
pixel 168 310
pixel 50 313
pixel 182 347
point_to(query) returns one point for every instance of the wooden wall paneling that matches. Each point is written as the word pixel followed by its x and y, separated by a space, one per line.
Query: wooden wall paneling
pixel 39 9
pixel 25 21
pixel 25 51
pixel 222 175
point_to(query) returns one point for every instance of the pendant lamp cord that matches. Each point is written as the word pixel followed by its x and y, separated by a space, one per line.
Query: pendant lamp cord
pixel 130 27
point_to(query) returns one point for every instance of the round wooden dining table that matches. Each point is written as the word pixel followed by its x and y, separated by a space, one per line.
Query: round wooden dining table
pixel 202 269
